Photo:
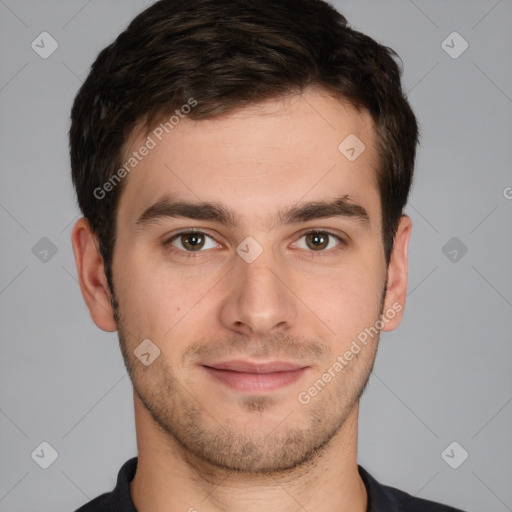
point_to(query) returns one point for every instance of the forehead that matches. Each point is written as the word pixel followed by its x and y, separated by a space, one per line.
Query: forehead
pixel 257 159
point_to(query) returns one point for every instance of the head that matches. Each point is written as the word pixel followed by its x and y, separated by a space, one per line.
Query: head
pixel 244 105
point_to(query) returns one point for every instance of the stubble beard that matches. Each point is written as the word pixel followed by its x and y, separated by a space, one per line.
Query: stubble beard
pixel 296 443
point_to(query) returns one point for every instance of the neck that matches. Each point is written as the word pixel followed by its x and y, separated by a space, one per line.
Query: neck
pixel 169 478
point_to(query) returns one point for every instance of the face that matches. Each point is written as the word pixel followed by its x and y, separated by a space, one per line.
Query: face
pixel 255 299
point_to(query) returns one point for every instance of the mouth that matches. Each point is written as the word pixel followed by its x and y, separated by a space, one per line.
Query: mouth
pixel 256 377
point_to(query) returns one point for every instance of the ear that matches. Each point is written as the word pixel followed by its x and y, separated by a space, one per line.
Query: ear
pixel 396 292
pixel 91 275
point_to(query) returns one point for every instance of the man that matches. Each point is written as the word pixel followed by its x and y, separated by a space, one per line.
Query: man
pixel 242 167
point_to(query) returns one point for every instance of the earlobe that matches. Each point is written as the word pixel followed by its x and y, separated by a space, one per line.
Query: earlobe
pixel 91 275
pixel 398 269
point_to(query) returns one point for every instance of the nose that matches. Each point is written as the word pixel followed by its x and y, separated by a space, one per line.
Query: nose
pixel 259 300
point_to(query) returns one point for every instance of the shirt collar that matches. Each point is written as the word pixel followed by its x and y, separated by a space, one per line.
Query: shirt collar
pixel 378 498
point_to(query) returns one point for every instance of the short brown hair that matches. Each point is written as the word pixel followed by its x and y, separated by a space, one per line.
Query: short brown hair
pixel 227 54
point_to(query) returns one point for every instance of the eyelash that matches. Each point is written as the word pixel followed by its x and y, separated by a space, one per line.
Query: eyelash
pixel 194 254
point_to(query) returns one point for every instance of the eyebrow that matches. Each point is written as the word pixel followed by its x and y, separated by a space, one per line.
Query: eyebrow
pixel 215 212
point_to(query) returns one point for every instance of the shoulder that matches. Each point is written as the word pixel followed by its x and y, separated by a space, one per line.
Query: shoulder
pixel 100 504
pixel 119 499
pixel 411 503
pixel 383 498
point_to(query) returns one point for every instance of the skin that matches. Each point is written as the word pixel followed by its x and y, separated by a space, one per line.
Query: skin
pixel 202 445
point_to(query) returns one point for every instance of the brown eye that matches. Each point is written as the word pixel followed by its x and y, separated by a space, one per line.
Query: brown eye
pixel 320 241
pixel 317 240
pixel 191 241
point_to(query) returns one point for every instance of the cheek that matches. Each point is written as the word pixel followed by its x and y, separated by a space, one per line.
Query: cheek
pixel 143 294
pixel 159 300
pixel 348 298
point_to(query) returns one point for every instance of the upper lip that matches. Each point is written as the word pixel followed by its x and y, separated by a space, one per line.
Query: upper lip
pixel 252 367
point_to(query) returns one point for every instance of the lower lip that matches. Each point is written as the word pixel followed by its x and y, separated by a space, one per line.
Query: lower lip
pixel 255 382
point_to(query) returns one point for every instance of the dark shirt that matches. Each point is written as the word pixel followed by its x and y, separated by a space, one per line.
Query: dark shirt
pixel 381 498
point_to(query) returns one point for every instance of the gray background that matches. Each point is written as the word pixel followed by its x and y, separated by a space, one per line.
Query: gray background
pixel 443 376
